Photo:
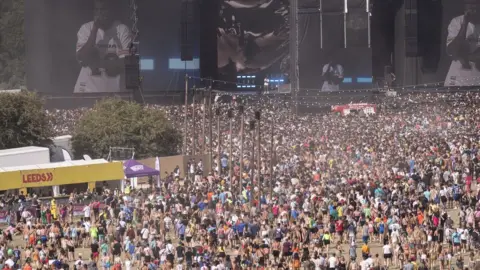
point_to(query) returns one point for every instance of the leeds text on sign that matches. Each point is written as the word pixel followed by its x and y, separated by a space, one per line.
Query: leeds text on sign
pixel 37 177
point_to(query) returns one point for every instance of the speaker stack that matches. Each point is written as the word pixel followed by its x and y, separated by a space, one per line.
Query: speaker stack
pixel 411 28
pixel 423 31
pixel 188 18
pixel 132 72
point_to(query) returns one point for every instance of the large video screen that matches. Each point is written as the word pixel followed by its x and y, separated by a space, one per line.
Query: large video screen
pixel 448 46
pixel 78 46
pixel 253 41
pixel 460 60
pixel 334 53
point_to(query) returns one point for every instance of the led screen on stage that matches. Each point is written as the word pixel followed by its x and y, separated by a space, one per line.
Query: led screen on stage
pixel 460 60
pixel 253 41
pixel 334 53
pixel 62 58
pixel 336 70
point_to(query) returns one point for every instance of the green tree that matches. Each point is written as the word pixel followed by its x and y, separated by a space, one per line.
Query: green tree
pixel 117 123
pixel 23 121
pixel 12 44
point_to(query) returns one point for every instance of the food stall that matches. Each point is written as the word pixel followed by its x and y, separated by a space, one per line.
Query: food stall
pixel 87 172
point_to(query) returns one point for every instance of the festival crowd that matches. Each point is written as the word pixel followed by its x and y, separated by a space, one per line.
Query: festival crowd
pixel 395 189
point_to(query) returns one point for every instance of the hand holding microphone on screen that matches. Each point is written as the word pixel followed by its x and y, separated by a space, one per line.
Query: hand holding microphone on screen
pixel 112 64
pixel 102 44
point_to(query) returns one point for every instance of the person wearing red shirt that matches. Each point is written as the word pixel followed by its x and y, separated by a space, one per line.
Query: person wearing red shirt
pixel 339 229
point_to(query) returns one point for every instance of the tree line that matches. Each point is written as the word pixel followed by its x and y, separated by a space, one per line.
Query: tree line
pixel 111 123
pixel 12 44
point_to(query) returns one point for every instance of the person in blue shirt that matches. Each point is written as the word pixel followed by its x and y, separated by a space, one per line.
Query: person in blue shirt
pixel 381 230
pixel 457 194
pixel 222 197
pixel 263 200
pixel 378 192
pixel 224 162
pixel 202 205
pixel 211 228
pixel 181 231
pixel 254 228
pixel 427 193
pixel 456 241
pixel 412 166
pixel 17 254
pixel 239 228
pixel 294 213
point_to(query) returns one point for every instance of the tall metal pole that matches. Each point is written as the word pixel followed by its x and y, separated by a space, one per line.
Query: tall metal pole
pixel 230 148
pixel 271 157
pixel 294 47
pixel 259 155
pixel 194 128
pixel 321 23
pixel 204 116
pixel 345 12
pixel 252 161
pixel 367 5
pixel 210 126
pixel 242 135
pixel 185 130
pixel 217 112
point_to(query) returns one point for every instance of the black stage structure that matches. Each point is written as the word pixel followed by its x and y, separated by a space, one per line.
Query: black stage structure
pixel 383 17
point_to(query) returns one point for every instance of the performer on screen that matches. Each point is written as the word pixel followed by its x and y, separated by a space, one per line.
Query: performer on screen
pixel 332 76
pixel 389 78
pixel 101 46
pixel 463 45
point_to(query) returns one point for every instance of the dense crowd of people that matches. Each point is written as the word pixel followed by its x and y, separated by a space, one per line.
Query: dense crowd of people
pixel 396 189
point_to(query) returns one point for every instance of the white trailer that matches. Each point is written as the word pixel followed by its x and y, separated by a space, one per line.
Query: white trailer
pixel 23 156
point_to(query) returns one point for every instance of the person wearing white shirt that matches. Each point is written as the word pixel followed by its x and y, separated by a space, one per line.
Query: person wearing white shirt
pixel 128 265
pixel 27 216
pixel 464 238
pixel 365 265
pixel 86 211
pixel 79 262
pixel 332 262
pixel 221 266
pixel 317 262
pixel 387 254
pixel 10 263
pixel 145 233
pixel 169 248
pixel 463 43
pixel 168 222
pixel 87 226
pixel 306 206
pixel 332 74
pixel 163 255
pixel 101 46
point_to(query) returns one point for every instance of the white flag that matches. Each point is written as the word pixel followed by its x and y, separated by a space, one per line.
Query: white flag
pixel 157 167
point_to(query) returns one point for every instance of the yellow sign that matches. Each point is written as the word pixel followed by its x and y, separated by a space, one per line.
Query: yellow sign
pixel 61 175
